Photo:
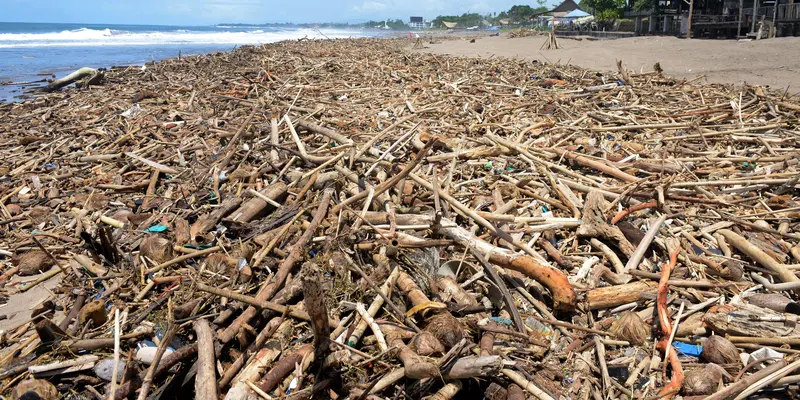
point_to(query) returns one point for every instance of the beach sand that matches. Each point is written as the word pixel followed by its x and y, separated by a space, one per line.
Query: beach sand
pixel 770 62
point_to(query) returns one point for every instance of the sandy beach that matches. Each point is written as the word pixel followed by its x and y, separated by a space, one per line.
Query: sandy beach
pixel 767 62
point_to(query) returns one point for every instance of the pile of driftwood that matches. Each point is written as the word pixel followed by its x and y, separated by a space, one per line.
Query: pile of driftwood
pixel 349 219
pixel 525 32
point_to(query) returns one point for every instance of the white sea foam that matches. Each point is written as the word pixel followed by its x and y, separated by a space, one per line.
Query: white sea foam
pixel 108 37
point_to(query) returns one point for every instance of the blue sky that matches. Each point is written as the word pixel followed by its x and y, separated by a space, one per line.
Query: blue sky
pixel 200 12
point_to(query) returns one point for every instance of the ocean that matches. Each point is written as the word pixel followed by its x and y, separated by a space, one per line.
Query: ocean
pixel 35 51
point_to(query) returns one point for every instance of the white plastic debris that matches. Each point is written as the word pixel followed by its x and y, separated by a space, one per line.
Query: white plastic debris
pixel 131 112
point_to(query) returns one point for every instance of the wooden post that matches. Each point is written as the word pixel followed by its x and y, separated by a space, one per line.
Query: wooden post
pixel 741 13
pixel 774 30
pixel 689 24
pixel 755 11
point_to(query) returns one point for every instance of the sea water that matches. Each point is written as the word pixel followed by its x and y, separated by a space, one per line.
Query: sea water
pixel 34 51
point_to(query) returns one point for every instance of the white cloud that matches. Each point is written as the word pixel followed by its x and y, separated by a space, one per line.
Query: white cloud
pixel 370 6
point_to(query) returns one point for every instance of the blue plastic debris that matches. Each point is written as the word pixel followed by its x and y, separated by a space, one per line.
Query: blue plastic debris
pixel 157 228
pixel 500 320
pixel 688 349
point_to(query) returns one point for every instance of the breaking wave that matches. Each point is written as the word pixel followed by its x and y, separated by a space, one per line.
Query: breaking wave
pixel 109 37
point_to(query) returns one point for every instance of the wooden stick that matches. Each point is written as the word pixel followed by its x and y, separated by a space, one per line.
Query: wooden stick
pixel 115 371
pixel 162 347
pixel 182 258
pixel 529 386
pixel 205 385
pixel 292 311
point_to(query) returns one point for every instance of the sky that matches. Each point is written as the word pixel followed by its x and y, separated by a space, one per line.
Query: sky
pixel 202 12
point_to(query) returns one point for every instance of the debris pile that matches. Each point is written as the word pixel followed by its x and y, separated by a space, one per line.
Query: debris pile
pixel 525 32
pixel 351 219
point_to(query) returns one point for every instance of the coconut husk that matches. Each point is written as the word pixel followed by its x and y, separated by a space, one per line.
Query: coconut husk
pixel 702 381
pixel 445 327
pixel 630 327
pixel 156 248
pixel 33 262
pixel 91 202
pixel 14 209
pixel 228 266
pixel 718 350
pixel 35 389
pixel 40 214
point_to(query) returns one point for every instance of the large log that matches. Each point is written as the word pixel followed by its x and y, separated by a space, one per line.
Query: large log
pixel 70 79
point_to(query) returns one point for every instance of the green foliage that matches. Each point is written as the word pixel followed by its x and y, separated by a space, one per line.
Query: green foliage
pixel 643 5
pixel 603 9
pixel 522 13
pixel 464 21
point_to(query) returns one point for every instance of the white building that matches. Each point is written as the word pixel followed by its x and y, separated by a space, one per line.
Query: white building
pixel 417 23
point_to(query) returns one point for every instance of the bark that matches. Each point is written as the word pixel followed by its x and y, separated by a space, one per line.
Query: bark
pixel 613 296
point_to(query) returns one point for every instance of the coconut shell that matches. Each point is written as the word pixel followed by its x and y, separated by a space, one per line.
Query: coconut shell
pixel 702 381
pixel 446 328
pixel 33 262
pixel 35 389
pixel 425 344
pixel 630 327
pixel 718 350
pixel 156 248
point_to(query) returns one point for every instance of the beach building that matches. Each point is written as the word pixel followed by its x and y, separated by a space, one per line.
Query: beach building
pixel 562 13
pixel 715 18
pixel 417 23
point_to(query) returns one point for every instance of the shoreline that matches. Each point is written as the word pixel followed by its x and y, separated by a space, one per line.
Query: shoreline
pixel 680 58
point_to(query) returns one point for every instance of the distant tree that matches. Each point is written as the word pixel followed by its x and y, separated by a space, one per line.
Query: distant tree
pixel 465 20
pixel 603 9
pixel 522 13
